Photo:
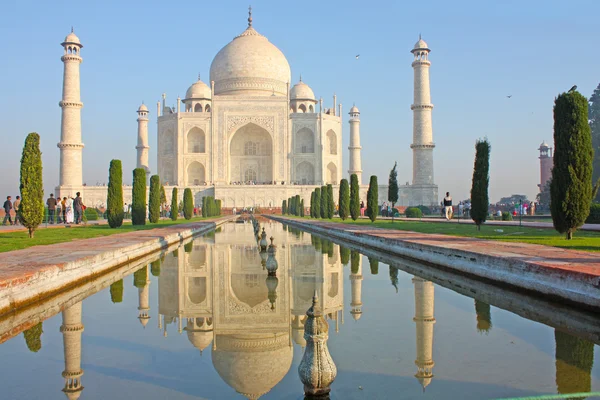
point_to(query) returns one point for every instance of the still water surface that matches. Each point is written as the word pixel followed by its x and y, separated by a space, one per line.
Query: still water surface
pixel 203 322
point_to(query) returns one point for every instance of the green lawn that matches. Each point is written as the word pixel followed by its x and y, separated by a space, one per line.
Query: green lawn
pixel 19 240
pixel 582 240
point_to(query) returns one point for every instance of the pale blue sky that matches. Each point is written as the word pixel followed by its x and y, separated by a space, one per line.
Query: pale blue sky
pixel 482 51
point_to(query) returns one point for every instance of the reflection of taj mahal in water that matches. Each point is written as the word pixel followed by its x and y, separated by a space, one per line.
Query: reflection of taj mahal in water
pixel 216 291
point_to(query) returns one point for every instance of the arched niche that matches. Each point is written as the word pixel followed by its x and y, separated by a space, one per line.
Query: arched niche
pixel 196 141
pixel 331 142
pixel 305 141
pixel 196 174
pixel 196 289
pixel 305 173
pixel 332 173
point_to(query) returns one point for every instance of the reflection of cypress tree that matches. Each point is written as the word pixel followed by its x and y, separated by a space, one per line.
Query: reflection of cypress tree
pixel 574 361
pixel 330 250
pixel 139 277
pixel 374 264
pixel 33 337
pixel 344 255
pixel 325 246
pixel 155 268
pixel 316 241
pixel 354 261
pixel 188 247
pixel 394 277
pixel 116 291
pixel 176 253
pixel 484 317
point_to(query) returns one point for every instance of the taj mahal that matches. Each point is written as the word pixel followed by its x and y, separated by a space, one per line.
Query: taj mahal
pixel 249 137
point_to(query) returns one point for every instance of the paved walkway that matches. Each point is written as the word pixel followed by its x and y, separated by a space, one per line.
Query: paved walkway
pixel 20 228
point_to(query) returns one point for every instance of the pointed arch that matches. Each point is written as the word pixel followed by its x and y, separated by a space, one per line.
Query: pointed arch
pixel 332 142
pixel 305 173
pixel 196 174
pixel 332 173
pixel 305 141
pixel 196 141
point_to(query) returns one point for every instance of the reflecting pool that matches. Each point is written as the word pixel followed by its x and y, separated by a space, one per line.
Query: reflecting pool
pixel 206 320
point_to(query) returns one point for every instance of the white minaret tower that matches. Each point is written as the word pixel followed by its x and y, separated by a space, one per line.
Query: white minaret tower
pixel 424 320
pixel 356 290
pixel 425 191
pixel 70 131
pixel 71 329
pixel 142 140
pixel 354 147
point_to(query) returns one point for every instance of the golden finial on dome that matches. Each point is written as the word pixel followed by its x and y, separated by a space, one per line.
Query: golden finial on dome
pixel 249 16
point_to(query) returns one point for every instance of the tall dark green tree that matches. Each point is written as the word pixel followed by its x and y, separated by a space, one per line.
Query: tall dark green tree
pixel 481 182
pixel 330 201
pixel 354 197
pixel 218 206
pixel 393 188
pixel 324 202
pixel 138 204
pixel 571 186
pixel 114 201
pixel 374 265
pixel 284 207
pixel 154 200
pixel 31 210
pixel 188 203
pixel 116 291
pixel 317 203
pixel 574 362
pixel 163 196
pixel 302 208
pixel 174 205
pixel 372 198
pixel 33 337
pixel 344 200
pixel 484 317
pixel 297 205
pixel 312 204
pixel 594 118
pixel 204 207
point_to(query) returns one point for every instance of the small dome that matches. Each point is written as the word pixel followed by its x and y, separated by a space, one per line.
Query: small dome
pixel 301 91
pixel 199 90
pixel 421 45
pixel 72 38
pixel 544 144
pixel 143 108
pixel 354 110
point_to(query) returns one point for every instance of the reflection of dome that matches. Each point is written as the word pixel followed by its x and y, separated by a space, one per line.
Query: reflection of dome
pixel 198 90
pixel 356 314
pixel 301 91
pixel 424 380
pixel 251 64
pixel 199 339
pixel 73 395
pixel 252 364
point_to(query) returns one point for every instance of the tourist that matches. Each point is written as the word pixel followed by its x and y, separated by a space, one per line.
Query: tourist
pixel 461 208
pixel 384 209
pixel 448 206
pixel 125 209
pixel 63 203
pixel 362 208
pixel 51 203
pixel 16 206
pixel 7 207
pixel 78 207
pixel 69 214
pixel 58 212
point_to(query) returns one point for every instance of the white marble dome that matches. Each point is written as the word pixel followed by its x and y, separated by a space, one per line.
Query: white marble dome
pixel 301 91
pixel 143 108
pixel 72 38
pixel 198 90
pixel 354 110
pixel 252 65
pixel 421 45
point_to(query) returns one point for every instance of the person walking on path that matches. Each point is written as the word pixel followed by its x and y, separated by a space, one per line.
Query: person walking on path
pixel 58 211
pixel 16 206
pixel 78 207
pixel 63 204
pixel 69 214
pixel 448 206
pixel 362 208
pixel 7 207
pixel 51 203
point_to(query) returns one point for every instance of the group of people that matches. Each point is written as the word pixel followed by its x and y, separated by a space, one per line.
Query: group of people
pixel 66 211
pixel 8 207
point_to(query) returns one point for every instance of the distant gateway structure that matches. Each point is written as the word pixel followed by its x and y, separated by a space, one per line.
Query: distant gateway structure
pixel 249 139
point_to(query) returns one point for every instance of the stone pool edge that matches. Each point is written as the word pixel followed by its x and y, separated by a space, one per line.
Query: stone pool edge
pixel 575 287
pixel 53 278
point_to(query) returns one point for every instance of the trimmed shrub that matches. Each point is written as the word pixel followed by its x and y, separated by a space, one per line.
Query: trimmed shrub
pixel 506 216
pixel 114 201
pixel 344 200
pixel 188 203
pixel 31 210
pixel 374 265
pixel 218 207
pixel 33 337
pixel 324 202
pixel 413 212
pixel 116 291
pixel 317 203
pixel 284 207
pixel 354 197
pixel 302 208
pixel 154 201
pixel 425 210
pixel 372 199
pixel 155 268
pixel 138 207
pixel 174 203
pixel 330 201
pixel 91 214
pixel 344 255
pixel 481 181
pixel 594 217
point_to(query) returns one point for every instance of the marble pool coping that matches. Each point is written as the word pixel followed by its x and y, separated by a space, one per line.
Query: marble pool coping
pixel 566 276
pixel 36 273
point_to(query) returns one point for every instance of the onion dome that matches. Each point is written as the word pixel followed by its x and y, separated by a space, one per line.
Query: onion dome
pixel 198 90
pixel 143 108
pixel 301 91
pixel 354 110
pixel 72 39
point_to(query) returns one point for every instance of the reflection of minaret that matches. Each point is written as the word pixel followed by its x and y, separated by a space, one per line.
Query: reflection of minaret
pixel 144 303
pixel 71 329
pixel 424 320
pixel 356 285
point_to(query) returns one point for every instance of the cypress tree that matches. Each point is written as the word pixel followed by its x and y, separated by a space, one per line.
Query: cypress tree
pixel 218 206
pixel 481 181
pixel 324 202
pixel 571 186
pixel 33 337
pixel 188 203
pixel 344 200
pixel 31 210
pixel 116 291
pixel 140 277
pixel 330 201
pixel 174 205
pixel 594 118
pixel 372 197
pixel 163 196
pixel 204 206
pixel 317 203
pixel 302 208
pixel 114 202
pixel 344 255
pixel 312 204
pixel 374 265
pixel 138 204
pixel 354 197
pixel 154 201
pixel 393 188
pixel 284 207
pixel 297 205
pixel 291 208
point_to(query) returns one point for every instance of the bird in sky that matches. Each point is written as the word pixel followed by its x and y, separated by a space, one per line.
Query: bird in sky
pixel 509 96
pixel 357 56
pixel 574 88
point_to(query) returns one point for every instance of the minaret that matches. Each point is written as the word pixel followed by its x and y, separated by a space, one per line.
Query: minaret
pixel 424 320
pixel 142 140
pixel 354 147
pixel 144 303
pixel 71 329
pixel 70 131
pixel 356 287
pixel 546 163
pixel 422 145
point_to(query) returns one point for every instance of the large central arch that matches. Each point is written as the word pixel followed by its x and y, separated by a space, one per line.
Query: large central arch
pixel 251 155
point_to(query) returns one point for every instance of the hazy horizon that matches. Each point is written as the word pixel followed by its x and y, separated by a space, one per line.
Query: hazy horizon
pixel 481 53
